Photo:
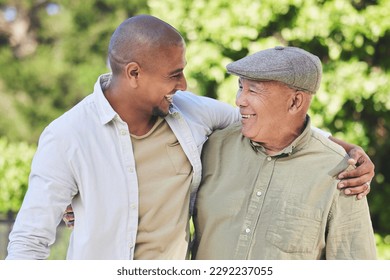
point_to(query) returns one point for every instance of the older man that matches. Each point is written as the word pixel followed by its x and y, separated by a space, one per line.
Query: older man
pixel 269 182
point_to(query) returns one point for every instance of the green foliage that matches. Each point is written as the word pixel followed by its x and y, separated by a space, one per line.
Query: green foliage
pixel 15 161
pixel 58 62
pixel 383 247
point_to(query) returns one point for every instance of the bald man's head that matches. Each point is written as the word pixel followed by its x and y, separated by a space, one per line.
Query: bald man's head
pixel 139 39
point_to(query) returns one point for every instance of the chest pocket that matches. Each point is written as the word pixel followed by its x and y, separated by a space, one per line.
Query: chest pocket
pixel 295 229
pixel 178 159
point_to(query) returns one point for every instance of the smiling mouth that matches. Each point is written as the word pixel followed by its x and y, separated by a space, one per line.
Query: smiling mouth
pixel 169 98
pixel 247 116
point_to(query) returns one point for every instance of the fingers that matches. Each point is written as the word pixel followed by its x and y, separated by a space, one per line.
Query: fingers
pixel 68 220
pixel 360 191
pixel 364 171
pixel 69 225
pixel 68 217
pixel 365 168
pixel 356 153
pixel 69 208
pixel 352 161
pixel 357 181
pixel 354 182
pixel 363 194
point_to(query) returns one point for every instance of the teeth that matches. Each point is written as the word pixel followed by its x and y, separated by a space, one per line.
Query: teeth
pixel 169 98
pixel 247 116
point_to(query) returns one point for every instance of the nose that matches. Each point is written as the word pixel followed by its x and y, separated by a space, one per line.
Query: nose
pixel 241 100
pixel 182 83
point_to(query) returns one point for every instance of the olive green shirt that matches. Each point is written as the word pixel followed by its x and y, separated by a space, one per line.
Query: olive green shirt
pixel 254 206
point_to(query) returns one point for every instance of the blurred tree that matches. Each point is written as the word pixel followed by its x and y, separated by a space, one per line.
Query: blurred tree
pixel 51 52
pixel 15 163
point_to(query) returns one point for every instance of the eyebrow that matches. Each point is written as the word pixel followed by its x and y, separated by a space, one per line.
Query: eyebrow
pixel 177 71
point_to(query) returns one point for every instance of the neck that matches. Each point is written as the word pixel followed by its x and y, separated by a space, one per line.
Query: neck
pixel 139 123
pixel 284 138
pixel 275 147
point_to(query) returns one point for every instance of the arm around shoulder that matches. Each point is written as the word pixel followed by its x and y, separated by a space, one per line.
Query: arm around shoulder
pixel 216 114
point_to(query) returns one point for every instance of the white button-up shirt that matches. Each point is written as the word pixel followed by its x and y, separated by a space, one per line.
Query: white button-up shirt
pixel 85 157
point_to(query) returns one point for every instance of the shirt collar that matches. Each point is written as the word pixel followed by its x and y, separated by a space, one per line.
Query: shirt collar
pixel 105 112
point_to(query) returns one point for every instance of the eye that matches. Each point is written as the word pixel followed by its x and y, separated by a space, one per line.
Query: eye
pixel 177 76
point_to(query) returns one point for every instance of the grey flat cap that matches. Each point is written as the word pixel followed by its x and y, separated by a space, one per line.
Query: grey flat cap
pixel 292 66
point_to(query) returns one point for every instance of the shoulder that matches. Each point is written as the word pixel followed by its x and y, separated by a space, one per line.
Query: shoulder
pixel 225 137
pixel 329 153
pixel 320 131
pixel 226 134
pixel 74 120
pixel 223 145
pixel 327 145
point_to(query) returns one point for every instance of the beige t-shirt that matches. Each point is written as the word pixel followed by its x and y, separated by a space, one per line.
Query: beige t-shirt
pixel 164 176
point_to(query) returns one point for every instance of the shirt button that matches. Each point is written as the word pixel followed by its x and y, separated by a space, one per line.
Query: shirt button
pixel 131 169
pixel 269 158
pixel 248 230
pixel 123 132
pixel 258 193
pixel 133 206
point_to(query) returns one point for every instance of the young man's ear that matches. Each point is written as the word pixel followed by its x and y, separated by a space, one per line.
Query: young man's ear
pixel 132 73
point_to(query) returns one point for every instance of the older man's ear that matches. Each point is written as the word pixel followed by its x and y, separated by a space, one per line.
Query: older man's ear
pixel 300 102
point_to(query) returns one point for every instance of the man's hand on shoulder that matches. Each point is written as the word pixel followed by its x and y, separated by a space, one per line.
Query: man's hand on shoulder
pixel 357 181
